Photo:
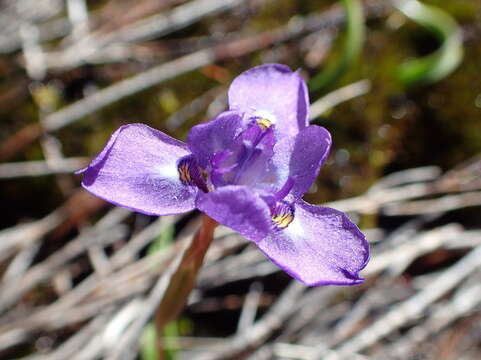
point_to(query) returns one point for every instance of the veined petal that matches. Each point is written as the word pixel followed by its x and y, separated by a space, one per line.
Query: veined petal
pixel 272 92
pixel 320 246
pixel 239 208
pixel 301 157
pixel 138 169
pixel 205 140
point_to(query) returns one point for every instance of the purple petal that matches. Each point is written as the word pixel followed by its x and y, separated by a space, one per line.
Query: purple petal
pixel 137 169
pixel 239 208
pixel 321 246
pixel 274 92
pixel 303 156
pixel 205 140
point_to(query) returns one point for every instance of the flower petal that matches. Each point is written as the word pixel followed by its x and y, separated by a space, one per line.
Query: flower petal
pixel 274 92
pixel 321 246
pixel 239 208
pixel 302 156
pixel 137 169
pixel 205 140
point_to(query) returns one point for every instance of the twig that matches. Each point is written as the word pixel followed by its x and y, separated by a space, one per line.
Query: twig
pixel 124 88
pixel 20 264
pixel 120 259
pixel 95 45
pixel 103 232
pixel 256 334
pixel 413 307
pixel 79 18
pixel 71 347
pixel 25 234
pixel 119 323
pixel 443 204
pixel 464 302
pixel 249 310
pixel 35 61
pixel 308 307
pixel 52 150
pixel 372 201
pixel 301 352
pixel 193 108
pixel 403 255
pixel 12 291
pixel 41 168
pixel 230 266
pixel 126 348
pixel 11 20
pixel 339 96
pixel 178 18
pixel 403 177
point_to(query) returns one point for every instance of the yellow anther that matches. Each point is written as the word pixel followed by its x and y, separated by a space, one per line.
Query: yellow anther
pixel 283 220
pixel 264 123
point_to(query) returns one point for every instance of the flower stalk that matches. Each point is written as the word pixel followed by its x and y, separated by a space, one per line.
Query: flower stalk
pixel 184 278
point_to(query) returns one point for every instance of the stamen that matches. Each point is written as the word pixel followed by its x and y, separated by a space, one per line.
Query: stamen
pixel 190 174
pixel 264 123
pixel 283 221
pixel 282 215
pixel 184 174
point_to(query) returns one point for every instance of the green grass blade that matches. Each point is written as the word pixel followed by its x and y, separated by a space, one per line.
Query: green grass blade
pixel 148 346
pixel 442 62
pixel 352 47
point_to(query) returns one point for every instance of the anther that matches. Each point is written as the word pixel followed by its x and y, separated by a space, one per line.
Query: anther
pixel 191 174
pixel 263 123
pixel 184 174
pixel 282 215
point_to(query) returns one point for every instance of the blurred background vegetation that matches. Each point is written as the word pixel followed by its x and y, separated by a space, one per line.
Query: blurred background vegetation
pixel 416 102
pixel 391 127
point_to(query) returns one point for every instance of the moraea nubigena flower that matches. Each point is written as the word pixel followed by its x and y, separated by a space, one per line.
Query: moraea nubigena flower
pixel 248 169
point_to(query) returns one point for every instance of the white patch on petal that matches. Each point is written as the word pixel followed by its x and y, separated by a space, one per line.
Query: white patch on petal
pixel 295 228
pixel 167 171
pixel 266 115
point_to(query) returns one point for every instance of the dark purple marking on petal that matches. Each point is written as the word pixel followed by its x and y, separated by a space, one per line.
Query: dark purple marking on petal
pixel 320 246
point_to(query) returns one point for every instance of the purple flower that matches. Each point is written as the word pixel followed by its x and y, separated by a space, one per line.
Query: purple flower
pixel 247 169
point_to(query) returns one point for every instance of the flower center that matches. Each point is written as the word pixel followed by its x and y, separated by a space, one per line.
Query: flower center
pixel 245 161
